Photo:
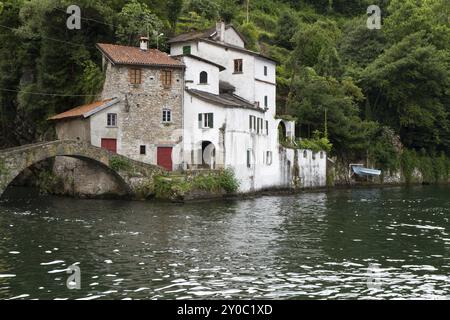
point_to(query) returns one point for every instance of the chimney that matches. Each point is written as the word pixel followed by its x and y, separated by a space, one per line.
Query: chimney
pixel 144 43
pixel 220 30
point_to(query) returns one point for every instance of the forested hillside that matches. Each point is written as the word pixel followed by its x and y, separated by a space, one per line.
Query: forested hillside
pixel 382 94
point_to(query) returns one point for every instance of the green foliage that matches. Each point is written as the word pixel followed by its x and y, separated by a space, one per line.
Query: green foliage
pixel 317 143
pixel 174 8
pixel 93 79
pixel 250 33
pixel 119 163
pixel 408 160
pixel 136 19
pixel 228 181
pixel 205 8
pixel 382 151
pixel 175 187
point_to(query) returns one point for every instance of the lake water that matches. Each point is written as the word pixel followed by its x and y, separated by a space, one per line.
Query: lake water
pixel 347 244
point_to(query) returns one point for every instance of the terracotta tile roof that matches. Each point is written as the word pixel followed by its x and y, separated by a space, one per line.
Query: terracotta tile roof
pixel 80 111
pixel 135 56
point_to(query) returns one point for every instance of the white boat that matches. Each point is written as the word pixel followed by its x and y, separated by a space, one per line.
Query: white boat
pixel 361 171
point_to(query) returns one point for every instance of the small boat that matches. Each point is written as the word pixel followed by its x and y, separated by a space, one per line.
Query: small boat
pixel 361 171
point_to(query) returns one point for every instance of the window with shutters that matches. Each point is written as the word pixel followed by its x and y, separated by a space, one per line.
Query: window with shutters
pixel 238 68
pixel 166 78
pixel 205 120
pixel 268 158
pixel 187 50
pixel 249 158
pixel 135 76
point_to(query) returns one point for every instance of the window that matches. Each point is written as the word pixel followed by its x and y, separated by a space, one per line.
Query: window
pixel 167 115
pixel 166 78
pixel 205 120
pixel 305 154
pixel 253 124
pixel 258 128
pixel 238 66
pixel 187 50
pixel 265 70
pixel 268 158
pixel 135 76
pixel 266 101
pixel 111 120
pixel 142 150
pixel 249 158
pixel 267 127
pixel 321 154
pixel 203 77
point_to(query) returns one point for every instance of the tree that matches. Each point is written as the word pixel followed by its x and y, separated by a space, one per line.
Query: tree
pixel 136 19
pixel 408 86
pixel 287 26
pixel 313 94
pixel 174 8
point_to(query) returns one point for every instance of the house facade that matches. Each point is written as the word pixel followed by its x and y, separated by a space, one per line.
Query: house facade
pixel 210 104
pixel 229 112
pixel 141 107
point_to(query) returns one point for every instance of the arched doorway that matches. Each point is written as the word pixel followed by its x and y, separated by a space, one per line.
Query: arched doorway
pixel 208 155
pixel 282 132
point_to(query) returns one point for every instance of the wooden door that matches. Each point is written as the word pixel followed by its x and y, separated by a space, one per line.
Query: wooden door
pixel 164 157
pixel 110 145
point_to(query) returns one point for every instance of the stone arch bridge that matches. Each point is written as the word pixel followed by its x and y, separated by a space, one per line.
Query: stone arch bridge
pixel 136 177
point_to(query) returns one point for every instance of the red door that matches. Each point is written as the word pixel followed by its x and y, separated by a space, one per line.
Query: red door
pixel 164 157
pixel 110 145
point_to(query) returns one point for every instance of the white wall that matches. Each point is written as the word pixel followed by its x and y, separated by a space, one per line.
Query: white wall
pixel 233 38
pixel 193 69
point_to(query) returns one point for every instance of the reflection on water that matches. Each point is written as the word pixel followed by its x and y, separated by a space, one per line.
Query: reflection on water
pixel 313 245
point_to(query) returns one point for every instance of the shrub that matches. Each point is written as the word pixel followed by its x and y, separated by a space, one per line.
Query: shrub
pixel 228 181
pixel 408 160
pixel 119 164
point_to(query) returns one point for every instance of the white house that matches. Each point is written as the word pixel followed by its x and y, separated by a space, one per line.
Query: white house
pixel 229 113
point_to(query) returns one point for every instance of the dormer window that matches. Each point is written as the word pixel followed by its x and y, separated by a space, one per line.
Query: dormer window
pixel 203 77
pixel 238 68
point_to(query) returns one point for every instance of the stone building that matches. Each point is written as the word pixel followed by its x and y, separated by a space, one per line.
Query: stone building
pixel 140 114
pixel 210 104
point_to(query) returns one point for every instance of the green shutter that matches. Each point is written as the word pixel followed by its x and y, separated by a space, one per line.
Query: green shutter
pixel 210 120
pixel 187 50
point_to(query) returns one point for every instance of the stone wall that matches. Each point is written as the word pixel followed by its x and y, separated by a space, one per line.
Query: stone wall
pixel 135 177
pixel 85 179
pixel 140 117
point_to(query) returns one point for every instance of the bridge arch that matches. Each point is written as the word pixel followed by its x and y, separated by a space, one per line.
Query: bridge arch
pixel 132 175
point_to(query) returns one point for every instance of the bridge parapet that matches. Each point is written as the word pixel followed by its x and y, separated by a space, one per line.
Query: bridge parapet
pixel 137 177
